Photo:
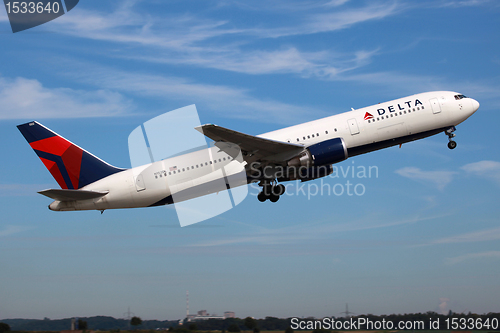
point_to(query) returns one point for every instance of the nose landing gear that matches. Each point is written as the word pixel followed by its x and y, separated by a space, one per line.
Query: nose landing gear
pixel 271 192
pixel 451 144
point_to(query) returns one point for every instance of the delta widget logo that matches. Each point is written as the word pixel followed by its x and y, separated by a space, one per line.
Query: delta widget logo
pixel 368 116
pixel 25 15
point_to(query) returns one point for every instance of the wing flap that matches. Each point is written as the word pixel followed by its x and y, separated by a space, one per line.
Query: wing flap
pixel 250 145
pixel 72 195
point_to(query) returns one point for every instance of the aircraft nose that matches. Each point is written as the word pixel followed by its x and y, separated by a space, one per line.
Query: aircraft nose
pixel 475 105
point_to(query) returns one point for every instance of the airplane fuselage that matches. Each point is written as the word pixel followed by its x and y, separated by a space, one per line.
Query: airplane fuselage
pixel 363 130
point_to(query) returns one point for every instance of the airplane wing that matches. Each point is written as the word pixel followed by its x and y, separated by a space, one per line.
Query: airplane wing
pixel 72 195
pixel 253 148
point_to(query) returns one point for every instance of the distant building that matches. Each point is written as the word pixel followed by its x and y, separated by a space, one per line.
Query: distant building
pixel 204 315
pixel 229 314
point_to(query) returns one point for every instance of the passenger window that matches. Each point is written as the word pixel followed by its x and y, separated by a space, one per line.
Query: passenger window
pixel 326 132
pixel 313 135
pixel 308 136
pixel 170 173
pixel 298 140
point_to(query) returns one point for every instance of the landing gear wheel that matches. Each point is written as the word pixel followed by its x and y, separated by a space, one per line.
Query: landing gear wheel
pixel 452 144
pixel 279 190
pixel 262 197
pixel 274 198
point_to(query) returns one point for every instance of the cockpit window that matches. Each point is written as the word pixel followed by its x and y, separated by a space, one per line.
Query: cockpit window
pixel 458 97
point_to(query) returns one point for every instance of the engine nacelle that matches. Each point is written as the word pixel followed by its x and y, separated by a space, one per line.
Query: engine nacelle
pixel 323 153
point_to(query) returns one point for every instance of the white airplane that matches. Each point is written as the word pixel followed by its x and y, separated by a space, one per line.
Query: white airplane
pixel 301 152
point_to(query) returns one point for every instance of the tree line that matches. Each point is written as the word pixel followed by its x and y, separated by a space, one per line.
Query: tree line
pixel 232 325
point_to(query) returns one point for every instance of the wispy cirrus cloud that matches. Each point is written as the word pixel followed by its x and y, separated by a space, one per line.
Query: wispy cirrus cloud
pixel 14 190
pixel 484 169
pixel 313 232
pixel 12 229
pixel 476 236
pixel 473 256
pixel 231 102
pixel 23 98
pixel 438 179
pixel 464 3
pixel 194 40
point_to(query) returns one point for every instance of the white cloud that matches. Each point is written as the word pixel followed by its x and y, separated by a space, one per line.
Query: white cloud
pixel 443 305
pixel 192 40
pixel 12 229
pixel 437 178
pixel 336 3
pixel 231 102
pixel 338 20
pixel 11 190
pixel 485 169
pixel 464 3
pixel 473 256
pixel 22 98
pixel 476 236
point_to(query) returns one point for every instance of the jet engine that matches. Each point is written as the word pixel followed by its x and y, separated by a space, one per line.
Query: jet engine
pixel 323 153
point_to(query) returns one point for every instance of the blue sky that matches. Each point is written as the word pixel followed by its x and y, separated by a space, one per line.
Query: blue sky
pixel 424 236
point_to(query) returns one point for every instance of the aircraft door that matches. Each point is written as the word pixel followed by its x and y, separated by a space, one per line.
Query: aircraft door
pixel 353 126
pixel 436 108
pixel 139 183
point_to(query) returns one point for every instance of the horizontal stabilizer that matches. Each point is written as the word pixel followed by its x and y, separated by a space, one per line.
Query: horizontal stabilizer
pixel 72 195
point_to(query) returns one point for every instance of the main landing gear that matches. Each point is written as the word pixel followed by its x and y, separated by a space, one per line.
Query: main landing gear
pixel 270 191
pixel 451 144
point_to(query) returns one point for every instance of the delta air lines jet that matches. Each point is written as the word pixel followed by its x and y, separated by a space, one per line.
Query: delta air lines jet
pixel 301 152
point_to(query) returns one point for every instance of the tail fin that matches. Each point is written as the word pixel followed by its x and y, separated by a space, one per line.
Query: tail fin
pixel 71 166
